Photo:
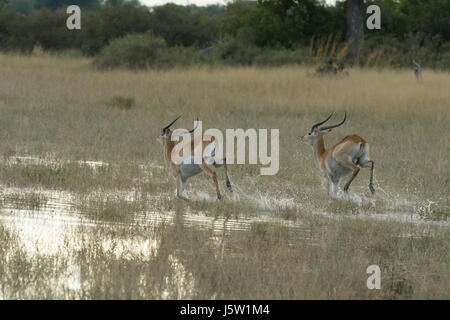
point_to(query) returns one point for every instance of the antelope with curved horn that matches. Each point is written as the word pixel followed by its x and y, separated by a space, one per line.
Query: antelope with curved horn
pixel 188 168
pixel 343 158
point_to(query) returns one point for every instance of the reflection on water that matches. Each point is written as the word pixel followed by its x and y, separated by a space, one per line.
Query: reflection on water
pixel 57 228
pixel 53 248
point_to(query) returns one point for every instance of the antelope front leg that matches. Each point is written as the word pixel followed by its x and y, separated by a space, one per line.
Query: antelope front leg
pixel 213 176
pixel 327 183
pixel 333 186
pixel 180 188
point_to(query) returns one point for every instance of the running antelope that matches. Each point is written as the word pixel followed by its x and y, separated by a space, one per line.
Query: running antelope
pixel 343 158
pixel 188 168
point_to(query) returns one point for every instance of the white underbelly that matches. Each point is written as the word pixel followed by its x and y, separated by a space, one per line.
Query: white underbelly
pixel 338 169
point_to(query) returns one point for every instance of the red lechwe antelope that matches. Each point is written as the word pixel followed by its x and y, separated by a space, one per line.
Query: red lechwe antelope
pixel 188 168
pixel 343 158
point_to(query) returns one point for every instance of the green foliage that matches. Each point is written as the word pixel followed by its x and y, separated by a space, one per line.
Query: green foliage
pixel 50 31
pixel 21 6
pixel 118 20
pixel 15 32
pixel 133 51
pixel 212 9
pixel 286 23
pixel 185 26
pixel 58 4
pixel 31 6
pixel 237 52
pixel 243 32
pixel 432 212
pixel 122 102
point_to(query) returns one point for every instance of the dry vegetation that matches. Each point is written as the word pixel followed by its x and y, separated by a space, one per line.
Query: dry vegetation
pixel 59 109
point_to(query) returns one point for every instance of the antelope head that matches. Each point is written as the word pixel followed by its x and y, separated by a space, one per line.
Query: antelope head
pixel 316 133
pixel 165 137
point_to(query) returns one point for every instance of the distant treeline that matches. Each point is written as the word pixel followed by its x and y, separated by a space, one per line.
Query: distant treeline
pixel 242 32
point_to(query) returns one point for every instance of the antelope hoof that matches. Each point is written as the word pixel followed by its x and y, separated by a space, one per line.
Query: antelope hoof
pixel 346 189
pixel 182 198
pixel 229 186
pixel 372 189
pixel 219 196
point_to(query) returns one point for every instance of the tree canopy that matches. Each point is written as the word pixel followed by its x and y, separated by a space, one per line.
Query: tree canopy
pixel 271 24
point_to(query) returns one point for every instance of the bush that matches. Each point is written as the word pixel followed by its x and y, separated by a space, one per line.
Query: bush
pixel 118 19
pixel 122 102
pixel 51 33
pixel 15 32
pixel 133 51
pixel 183 26
pixel 387 51
pixel 238 52
pixel 278 57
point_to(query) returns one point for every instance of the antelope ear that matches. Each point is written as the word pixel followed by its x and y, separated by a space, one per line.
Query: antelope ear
pixel 324 132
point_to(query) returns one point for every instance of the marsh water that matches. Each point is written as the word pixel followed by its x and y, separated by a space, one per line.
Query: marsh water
pixel 53 224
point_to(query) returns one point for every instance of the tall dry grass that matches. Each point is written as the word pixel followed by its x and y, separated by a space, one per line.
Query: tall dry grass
pixel 59 108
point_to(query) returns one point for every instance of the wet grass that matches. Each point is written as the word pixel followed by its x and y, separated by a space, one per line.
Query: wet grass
pixel 82 178
pixel 30 201
pixel 431 212
pixel 112 207
pixel 265 262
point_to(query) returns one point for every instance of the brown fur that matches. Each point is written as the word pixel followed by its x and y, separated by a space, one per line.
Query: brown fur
pixel 340 153
pixel 175 169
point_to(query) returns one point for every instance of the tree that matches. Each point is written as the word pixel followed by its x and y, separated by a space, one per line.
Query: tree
pixel 3 3
pixel 183 26
pixel 355 13
pixel 57 4
pixel 22 6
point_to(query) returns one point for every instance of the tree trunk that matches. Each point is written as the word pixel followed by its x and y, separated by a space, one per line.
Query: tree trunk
pixel 354 11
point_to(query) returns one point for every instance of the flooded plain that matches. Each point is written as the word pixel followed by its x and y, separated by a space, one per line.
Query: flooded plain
pixel 96 244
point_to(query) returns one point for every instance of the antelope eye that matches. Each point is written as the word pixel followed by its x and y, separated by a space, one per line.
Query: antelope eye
pixel 309 134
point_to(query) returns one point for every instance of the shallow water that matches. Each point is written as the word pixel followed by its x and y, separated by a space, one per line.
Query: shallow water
pixel 54 224
pixel 59 218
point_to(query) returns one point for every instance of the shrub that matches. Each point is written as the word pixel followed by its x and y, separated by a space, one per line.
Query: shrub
pixel 51 33
pixel 237 52
pixel 278 57
pixel 122 102
pixel 133 51
pixel 183 26
pixel 15 32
